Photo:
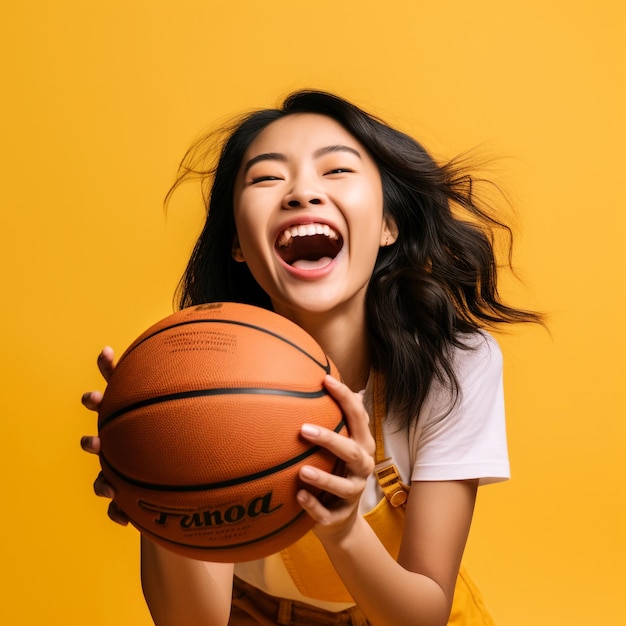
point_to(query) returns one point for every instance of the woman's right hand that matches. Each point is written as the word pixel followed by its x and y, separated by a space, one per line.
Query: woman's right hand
pixel 91 443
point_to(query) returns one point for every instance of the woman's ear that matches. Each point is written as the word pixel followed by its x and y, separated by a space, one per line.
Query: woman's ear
pixel 236 251
pixel 389 232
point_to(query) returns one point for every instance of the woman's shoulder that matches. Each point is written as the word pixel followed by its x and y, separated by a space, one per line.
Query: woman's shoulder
pixel 464 435
pixel 477 364
pixel 477 352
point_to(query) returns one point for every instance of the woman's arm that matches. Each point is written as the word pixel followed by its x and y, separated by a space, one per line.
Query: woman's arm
pixel 179 590
pixel 418 588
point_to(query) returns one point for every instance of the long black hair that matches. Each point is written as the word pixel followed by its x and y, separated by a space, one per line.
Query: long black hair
pixel 433 286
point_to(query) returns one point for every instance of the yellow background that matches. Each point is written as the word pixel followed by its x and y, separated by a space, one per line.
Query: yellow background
pixel 100 101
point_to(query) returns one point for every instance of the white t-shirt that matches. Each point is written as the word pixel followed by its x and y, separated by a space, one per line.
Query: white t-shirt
pixel 469 442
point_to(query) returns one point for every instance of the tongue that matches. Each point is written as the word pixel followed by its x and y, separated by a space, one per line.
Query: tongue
pixel 305 264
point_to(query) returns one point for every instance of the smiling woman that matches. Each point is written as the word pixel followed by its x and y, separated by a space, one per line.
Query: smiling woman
pixel 300 172
pixel 313 245
pixel 326 215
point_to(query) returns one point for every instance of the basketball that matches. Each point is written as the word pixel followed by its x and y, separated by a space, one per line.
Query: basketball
pixel 200 430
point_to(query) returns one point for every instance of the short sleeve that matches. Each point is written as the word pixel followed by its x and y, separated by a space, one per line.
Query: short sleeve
pixel 469 441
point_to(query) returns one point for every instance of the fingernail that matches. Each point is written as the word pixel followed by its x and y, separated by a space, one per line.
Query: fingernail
pixel 309 430
pixel 105 353
pixel 333 382
pixel 308 472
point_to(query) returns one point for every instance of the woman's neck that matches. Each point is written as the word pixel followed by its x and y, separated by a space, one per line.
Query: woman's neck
pixel 348 350
pixel 344 340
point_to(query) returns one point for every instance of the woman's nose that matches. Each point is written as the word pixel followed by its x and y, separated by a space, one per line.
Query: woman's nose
pixel 298 199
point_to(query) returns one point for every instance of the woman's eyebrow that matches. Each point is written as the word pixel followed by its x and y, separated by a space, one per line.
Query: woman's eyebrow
pixel 338 148
pixel 266 156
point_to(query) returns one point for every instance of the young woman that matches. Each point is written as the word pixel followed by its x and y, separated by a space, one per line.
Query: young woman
pixel 328 216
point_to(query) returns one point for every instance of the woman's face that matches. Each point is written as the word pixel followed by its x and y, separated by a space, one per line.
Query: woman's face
pixel 308 208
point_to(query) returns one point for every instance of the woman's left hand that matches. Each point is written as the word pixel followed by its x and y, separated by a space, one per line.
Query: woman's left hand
pixel 357 451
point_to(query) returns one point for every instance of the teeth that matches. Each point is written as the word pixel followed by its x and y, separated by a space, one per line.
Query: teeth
pixel 306 230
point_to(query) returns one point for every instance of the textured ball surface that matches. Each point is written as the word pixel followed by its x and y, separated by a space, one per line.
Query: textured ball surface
pixel 200 428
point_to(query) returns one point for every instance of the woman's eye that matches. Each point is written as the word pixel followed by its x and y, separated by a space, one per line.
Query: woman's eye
pixel 260 179
pixel 340 170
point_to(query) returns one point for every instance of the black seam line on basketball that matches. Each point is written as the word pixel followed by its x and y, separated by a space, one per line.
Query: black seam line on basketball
pixel 226 547
pixel 326 367
pixel 231 482
pixel 219 391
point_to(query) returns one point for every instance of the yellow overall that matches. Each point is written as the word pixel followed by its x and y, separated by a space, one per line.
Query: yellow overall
pixel 314 575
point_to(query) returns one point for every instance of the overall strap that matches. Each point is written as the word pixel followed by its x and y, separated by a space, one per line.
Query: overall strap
pixel 385 471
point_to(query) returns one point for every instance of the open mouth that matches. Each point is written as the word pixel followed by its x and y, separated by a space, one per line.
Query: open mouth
pixel 308 246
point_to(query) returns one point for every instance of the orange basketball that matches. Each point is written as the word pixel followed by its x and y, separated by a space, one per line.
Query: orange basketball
pixel 200 428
